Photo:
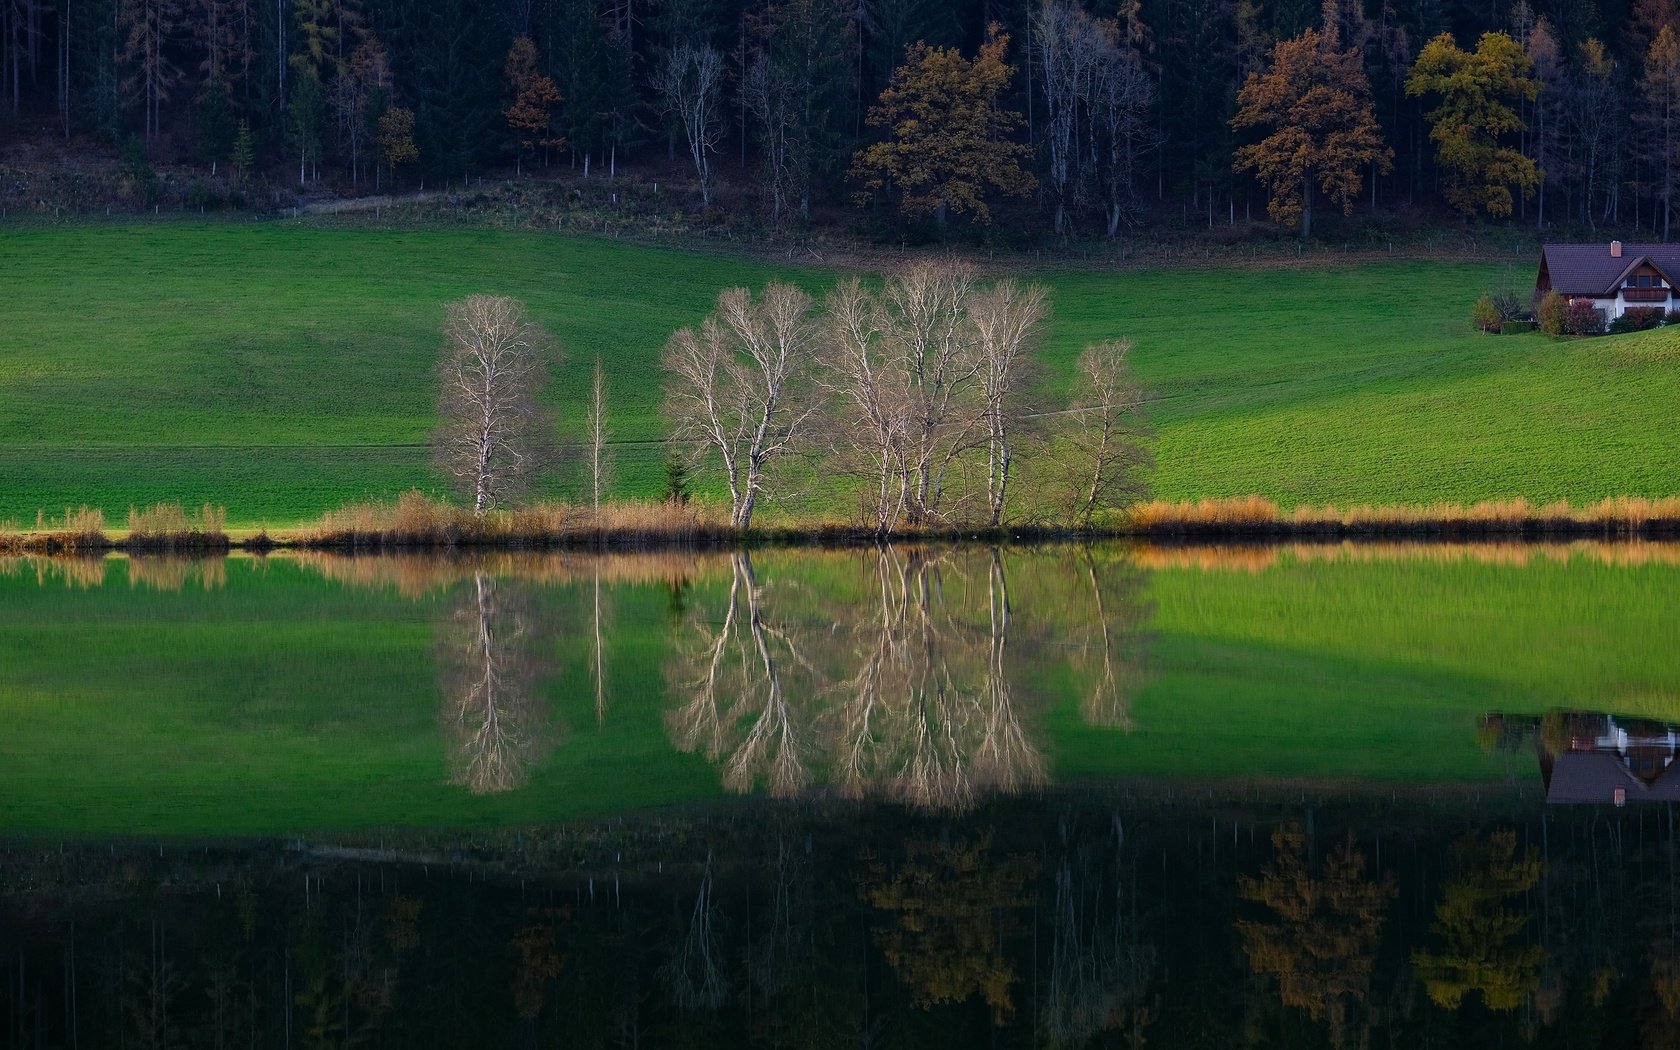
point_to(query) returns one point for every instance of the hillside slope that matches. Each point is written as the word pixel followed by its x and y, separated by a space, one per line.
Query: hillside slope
pixel 279 369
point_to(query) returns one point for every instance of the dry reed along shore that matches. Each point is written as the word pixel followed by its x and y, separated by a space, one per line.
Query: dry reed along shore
pixel 417 522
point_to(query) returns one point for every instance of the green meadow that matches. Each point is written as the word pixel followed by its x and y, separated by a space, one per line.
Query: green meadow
pixel 279 701
pixel 281 369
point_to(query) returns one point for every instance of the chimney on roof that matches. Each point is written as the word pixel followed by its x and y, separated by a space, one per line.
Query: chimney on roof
pixel 1615 249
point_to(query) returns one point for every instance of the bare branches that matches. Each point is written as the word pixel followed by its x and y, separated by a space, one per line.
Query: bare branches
pixel 917 378
pixel 734 386
pixel 491 661
pixel 1006 320
pixel 925 317
pixel 923 372
pixel 598 435
pixel 1105 458
pixel 689 83
pixel 1098 97
pixel 495 365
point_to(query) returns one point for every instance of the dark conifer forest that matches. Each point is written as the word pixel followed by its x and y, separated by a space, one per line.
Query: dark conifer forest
pixel 1069 117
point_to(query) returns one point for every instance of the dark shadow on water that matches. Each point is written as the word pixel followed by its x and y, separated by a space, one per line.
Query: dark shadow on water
pixel 1112 917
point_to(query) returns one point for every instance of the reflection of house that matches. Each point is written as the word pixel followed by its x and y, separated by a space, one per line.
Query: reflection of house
pixel 1615 277
pixel 1599 758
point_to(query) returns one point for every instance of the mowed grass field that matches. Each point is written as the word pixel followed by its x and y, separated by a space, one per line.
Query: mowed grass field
pixel 280 369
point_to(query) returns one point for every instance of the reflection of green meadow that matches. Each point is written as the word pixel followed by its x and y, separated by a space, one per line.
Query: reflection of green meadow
pixel 282 701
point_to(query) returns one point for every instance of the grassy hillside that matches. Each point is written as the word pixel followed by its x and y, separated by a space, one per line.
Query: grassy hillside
pixel 281 369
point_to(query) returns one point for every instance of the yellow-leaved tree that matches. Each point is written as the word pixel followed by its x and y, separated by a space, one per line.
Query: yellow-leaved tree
pixel 1317 102
pixel 1476 90
pixel 948 142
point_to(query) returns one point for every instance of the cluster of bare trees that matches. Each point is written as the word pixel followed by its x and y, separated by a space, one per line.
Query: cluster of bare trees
pixel 1098 100
pixel 919 388
pixel 919 691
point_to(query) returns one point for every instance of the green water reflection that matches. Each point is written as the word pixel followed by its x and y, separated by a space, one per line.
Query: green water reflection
pixel 309 692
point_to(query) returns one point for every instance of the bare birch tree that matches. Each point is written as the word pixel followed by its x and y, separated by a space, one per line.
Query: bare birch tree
pixel 1065 38
pixel 1122 101
pixel 1007 319
pixel 927 325
pixel 870 401
pixel 734 386
pixel 597 424
pixel 1104 460
pixel 492 422
pixel 690 87
pixel 769 98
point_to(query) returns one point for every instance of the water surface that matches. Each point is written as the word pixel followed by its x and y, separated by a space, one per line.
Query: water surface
pixel 1382 796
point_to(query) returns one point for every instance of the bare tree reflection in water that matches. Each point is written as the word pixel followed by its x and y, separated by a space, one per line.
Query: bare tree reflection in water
pixel 922 689
pixel 695 971
pixel 732 672
pixel 1100 965
pixel 930 718
pixel 600 649
pixel 1109 638
pixel 491 662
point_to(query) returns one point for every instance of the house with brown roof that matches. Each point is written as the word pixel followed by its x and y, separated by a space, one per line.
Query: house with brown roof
pixel 1607 759
pixel 1617 277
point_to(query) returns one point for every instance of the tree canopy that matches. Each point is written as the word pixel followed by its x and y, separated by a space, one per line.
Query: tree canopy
pixel 1317 102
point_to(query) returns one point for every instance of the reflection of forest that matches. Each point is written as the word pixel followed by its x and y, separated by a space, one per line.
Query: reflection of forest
pixel 918 676
pixel 1074 919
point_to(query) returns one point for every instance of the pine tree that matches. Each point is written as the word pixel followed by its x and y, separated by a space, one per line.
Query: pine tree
pixel 149 28
pixel 244 151
pixel 1660 88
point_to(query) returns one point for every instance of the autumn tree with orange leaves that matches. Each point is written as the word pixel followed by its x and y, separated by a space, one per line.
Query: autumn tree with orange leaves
pixel 531 116
pixel 1317 102
pixel 948 141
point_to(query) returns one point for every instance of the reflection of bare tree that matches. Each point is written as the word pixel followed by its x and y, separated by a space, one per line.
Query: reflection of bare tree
pixel 906 691
pixel 735 676
pixel 1109 641
pixel 1100 967
pixel 929 715
pixel 695 970
pixel 490 660
pixel 600 649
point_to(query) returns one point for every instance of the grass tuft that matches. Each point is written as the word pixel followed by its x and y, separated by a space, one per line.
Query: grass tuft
pixel 1254 515
pixel 166 527
pixel 416 520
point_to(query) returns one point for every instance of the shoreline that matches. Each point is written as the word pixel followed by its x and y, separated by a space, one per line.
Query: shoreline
pixel 1186 534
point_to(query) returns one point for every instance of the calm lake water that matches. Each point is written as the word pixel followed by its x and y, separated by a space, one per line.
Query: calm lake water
pixel 1341 796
